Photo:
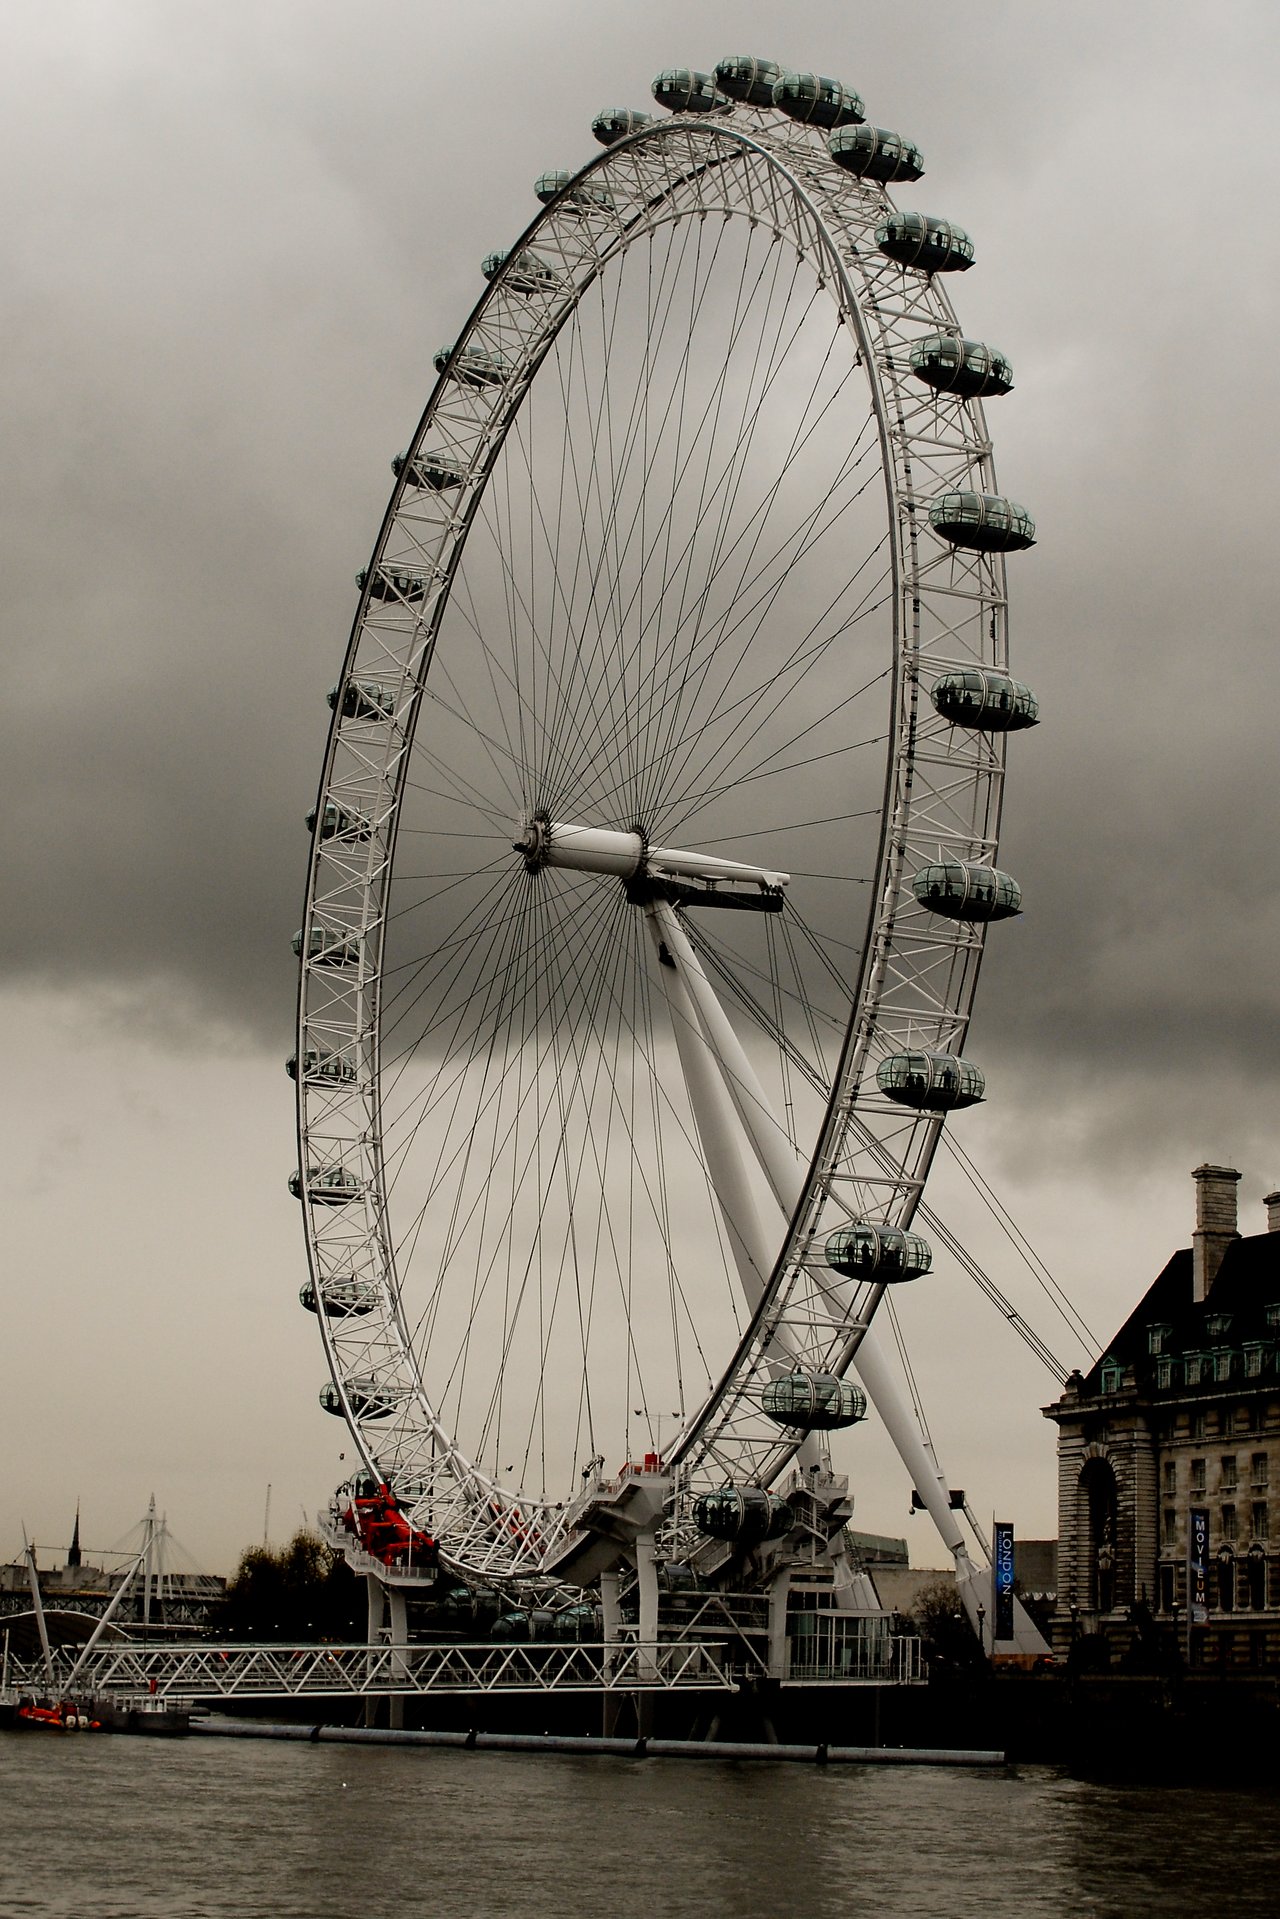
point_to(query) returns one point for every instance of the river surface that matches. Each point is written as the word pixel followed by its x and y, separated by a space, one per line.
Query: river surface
pixel 120 1828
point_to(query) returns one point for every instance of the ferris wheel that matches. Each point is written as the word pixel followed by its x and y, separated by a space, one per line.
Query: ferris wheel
pixel 655 843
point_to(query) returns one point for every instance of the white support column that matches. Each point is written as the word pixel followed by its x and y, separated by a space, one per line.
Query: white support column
pixel 647 1592
pixel 779 1591
pixel 399 1611
pixel 375 1594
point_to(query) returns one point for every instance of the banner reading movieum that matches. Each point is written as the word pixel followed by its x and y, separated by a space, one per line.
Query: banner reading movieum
pixel 1198 1565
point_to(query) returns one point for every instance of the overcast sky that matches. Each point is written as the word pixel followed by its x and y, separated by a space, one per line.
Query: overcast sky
pixel 236 233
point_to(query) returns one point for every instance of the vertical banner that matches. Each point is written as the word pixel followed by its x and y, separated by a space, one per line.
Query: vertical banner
pixel 1198 1566
pixel 1002 1580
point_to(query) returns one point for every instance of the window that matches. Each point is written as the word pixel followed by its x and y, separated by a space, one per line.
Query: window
pixel 1273 1314
pixel 1158 1338
pixel 1197 1475
pixel 1229 1528
pixel 1259 1527
pixel 1164 1373
pixel 1169 1528
pixel 1226 1581
pixel 1169 1477
pixel 1217 1325
pixel 1112 1376
pixel 1227 1472
pixel 1222 1367
pixel 1197 1426
pixel 1168 1587
pixel 1253 1362
pixel 1192 1364
pixel 1246 1419
pixel 1258 1470
pixel 1228 1420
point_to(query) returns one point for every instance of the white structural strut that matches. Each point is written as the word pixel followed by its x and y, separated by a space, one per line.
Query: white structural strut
pixel 785 1176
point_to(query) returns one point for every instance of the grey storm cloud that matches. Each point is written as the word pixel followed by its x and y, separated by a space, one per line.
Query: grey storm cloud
pixel 240 234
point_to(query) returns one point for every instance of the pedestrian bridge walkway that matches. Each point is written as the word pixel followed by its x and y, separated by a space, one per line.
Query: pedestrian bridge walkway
pixel 199 1672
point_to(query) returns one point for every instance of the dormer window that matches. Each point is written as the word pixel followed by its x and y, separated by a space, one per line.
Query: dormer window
pixel 1217 1325
pixel 1112 1375
pixel 1158 1336
pixel 1273 1314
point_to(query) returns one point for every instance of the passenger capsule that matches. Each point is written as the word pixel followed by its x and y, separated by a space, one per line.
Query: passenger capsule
pixel 816 101
pixel 525 272
pixel 339 1298
pixel 320 1069
pixel 586 197
pixel 884 1254
pixel 982 522
pixel 389 583
pixel 743 1514
pixel 327 949
pixel 873 153
pixel 363 700
pixel 962 890
pixel 968 368
pixel 612 124
pixel 338 823
pixel 333 1186
pixel 930 1082
pixel 474 366
pixel 920 240
pixel 430 470
pixel 985 699
pixel 366 1398
pixel 680 90
pixel 743 77
pixel 813 1402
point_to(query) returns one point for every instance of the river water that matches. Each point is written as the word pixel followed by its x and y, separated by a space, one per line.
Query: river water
pixel 120 1828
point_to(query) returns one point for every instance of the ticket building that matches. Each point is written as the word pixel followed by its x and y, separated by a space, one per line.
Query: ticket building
pixel 1168 1454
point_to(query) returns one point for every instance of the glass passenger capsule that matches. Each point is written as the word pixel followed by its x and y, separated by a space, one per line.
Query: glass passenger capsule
pixel 744 1514
pixel 873 153
pixel 526 272
pixel 817 101
pixel 615 123
pixel 982 522
pixel 338 823
pixel 968 368
pixel 363 700
pixel 334 1186
pixel 930 1082
pixel 744 77
pixel 327 949
pixel 986 699
pixel 474 366
pixel 680 90
pixel 921 240
pixel 963 890
pixel 366 1398
pixel 885 1254
pixel 586 197
pixel 339 1298
pixel 813 1402
pixel 430 470
pixel 389 583
pixel 319 1068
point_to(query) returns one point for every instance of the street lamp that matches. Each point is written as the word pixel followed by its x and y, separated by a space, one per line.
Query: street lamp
pixel 982 1623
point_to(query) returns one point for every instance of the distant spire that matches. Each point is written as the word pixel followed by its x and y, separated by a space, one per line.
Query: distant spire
pixel 73 1555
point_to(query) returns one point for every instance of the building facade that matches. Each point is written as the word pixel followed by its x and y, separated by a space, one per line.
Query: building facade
pixel 1169 1458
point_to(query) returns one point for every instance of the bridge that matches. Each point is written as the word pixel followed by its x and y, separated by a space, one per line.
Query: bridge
pixel 203 1671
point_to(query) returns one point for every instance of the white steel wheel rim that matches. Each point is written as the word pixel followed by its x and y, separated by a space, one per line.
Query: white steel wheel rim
pixel 938 791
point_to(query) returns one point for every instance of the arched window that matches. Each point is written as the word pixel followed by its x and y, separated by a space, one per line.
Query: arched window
pixel 1255 1568
pixel 1226 1580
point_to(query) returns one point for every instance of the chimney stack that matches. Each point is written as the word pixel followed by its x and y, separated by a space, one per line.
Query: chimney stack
pixel 1272 1204
pixel 1215 1224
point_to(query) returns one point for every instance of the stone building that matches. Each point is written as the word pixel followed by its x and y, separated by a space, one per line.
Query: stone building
pixel 1180 1416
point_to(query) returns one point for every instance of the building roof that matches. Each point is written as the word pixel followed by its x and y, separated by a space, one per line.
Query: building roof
pixel 1234 1315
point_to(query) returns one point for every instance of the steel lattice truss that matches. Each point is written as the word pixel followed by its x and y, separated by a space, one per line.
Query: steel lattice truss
pixel 911 983
pixel 330 1672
